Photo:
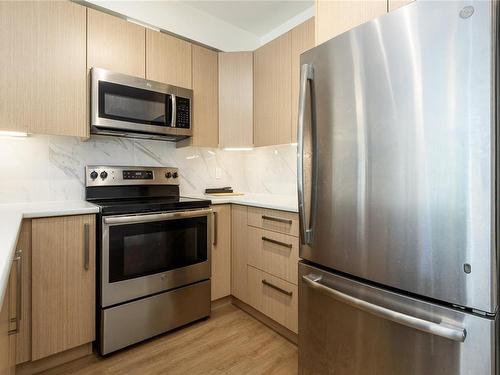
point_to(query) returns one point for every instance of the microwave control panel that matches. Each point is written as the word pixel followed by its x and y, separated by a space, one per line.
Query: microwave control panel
pixel 183 119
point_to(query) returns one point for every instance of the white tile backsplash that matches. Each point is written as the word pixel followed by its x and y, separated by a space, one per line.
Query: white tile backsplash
pixel 46 168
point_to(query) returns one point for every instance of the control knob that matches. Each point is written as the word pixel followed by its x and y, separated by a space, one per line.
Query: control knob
pixel 104 174
pixel 93 175
pixel 168 174
pixel 175 175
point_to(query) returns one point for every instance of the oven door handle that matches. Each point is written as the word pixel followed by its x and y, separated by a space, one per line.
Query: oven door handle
pixel 133 219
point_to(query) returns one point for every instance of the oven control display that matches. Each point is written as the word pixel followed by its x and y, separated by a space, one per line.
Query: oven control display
pixel 137 175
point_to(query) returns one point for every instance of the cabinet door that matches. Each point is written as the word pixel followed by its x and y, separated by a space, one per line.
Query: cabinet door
pixel 395 4
pixel 115 44
pixel 205 97
pixel 302 40
pixel 63 283
pixel 221 252
pixel 168 59
pixel 272 92
pixel 6 364
pixel 42 67
pixel 239 243
pixel 23 337
pixel 335 17
pixel 236 99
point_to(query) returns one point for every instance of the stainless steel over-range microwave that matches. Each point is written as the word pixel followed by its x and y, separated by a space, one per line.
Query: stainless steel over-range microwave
pixel 135 107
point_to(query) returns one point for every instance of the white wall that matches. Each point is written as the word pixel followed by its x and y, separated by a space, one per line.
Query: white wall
pixel 48 168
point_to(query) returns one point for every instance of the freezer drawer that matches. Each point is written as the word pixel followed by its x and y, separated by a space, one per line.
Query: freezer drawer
pixel 350 328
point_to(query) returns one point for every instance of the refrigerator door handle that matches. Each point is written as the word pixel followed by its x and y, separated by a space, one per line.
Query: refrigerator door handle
pixel 306 229
pixel 454 334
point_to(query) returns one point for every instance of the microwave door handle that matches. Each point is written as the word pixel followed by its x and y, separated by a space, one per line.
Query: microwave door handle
pixel 173 121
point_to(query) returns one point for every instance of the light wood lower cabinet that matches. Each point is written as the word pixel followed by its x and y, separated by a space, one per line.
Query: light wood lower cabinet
pixel 221 252
pixel 63 284
pixel 273 297
pixel 7 341
pixel 274 253
pixel 239 243
pixel 277 221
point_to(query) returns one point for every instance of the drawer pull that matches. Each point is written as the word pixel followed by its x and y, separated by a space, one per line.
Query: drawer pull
pixel 289 245
pixel 267 283
pixel 278 219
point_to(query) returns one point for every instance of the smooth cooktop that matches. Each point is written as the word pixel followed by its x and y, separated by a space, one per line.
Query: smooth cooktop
pixel 128 206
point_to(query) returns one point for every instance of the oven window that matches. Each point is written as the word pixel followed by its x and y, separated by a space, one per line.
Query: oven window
pixel 125 103
pixel 143 249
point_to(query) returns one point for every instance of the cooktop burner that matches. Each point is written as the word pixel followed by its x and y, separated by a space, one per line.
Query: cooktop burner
pixel 126 190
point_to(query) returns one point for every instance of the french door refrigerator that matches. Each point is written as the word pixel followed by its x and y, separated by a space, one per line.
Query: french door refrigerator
pixel 397 171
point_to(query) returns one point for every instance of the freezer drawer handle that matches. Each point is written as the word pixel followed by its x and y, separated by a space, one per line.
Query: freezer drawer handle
pixel 289 245
pixel 454 334
pixel 267 283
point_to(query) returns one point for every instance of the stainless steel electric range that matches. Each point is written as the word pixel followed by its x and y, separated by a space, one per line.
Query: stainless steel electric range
pixel 153 254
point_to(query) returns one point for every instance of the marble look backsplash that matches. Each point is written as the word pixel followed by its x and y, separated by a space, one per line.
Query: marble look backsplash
pixel 47 168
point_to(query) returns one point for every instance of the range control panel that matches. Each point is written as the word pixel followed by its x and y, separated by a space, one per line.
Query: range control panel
pixel 100 175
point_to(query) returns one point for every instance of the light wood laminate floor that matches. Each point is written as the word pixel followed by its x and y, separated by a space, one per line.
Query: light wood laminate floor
pixel 229 342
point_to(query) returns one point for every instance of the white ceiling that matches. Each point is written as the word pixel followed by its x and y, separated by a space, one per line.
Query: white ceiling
pixel 257 17
pixel 228 25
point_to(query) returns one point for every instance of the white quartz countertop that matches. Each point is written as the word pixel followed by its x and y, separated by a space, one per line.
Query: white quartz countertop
pixel 11 216
pixel 273 201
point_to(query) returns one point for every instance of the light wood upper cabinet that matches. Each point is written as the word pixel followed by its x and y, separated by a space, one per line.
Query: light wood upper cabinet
pixel 335 17
pixel 221 252
pixel 235 99
pixel 115 44
pixel 205 97
pixel 168 59
pixel 302 40
pixel 395 4
pixel 42 67
pixel 272 92
pixel 63 286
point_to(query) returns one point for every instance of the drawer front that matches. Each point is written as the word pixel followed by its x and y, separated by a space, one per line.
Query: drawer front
pixel 273 297
pixel 277 221
pixel 274 253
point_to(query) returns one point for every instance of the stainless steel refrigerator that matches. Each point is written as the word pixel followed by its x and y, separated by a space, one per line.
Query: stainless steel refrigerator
pixel 397 171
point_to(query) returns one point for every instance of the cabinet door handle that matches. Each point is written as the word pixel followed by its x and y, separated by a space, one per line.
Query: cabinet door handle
pixel 278 219
pixel 19 292
pixel 289 245
pixel 267 283
pixel 216 224
pixel 86 246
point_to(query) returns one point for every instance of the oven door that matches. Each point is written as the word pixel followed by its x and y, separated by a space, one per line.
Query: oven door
pixel 151 253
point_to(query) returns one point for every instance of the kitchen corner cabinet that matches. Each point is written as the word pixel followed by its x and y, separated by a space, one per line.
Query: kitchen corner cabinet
pixel 115 44
pixel 205 98
pixel 168 59
pixel 302 40
pixel 63 284
pixel 43 67
pixel 235 99
pixel 335 17
pixel 221 252
pixel 272 92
